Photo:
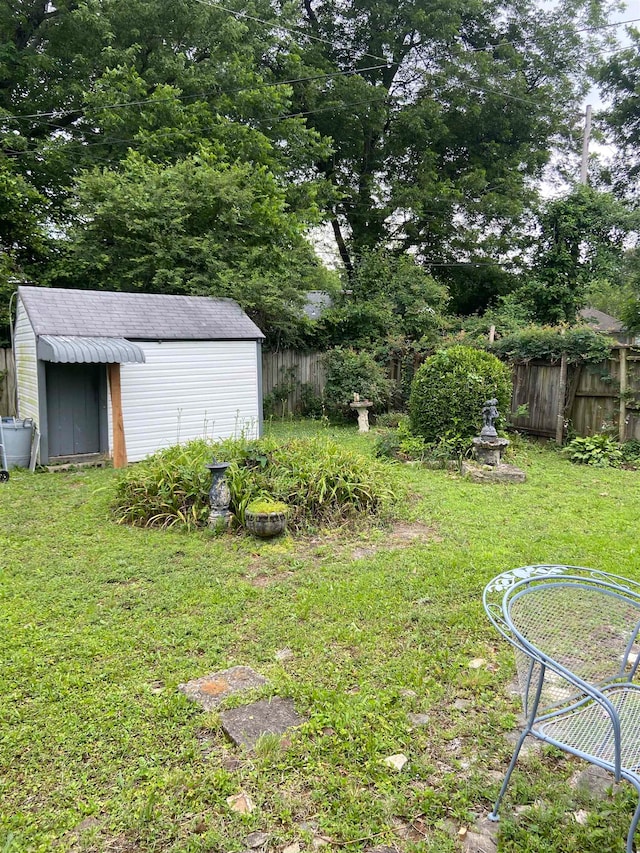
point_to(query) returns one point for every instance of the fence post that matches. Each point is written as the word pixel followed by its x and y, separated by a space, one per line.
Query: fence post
pixel 622 417
pixel 562 390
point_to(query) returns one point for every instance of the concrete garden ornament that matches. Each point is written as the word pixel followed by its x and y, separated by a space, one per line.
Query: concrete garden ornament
pixel 488 448
pixel 219 495
pixel 362 408
pixel 266 518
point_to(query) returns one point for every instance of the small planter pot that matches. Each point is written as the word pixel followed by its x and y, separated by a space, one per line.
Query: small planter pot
pixel 265 522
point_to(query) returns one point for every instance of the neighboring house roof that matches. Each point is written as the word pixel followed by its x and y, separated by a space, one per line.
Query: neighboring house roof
pixel 136 316
pixel 602 322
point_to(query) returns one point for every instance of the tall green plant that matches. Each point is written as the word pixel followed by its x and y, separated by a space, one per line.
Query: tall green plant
pixel 349 371
pixel 321 482
pixel 581 344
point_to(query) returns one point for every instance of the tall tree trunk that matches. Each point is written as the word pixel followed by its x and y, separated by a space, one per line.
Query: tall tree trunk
pixel 342 247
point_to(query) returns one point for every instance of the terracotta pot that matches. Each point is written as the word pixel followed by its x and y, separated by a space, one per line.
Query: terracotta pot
pixel 265 524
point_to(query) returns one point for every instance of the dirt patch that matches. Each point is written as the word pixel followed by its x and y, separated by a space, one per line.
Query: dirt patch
pixel 265 569
pixel 121 844
pixel 264 579
pixel 402 534
pixel 408 532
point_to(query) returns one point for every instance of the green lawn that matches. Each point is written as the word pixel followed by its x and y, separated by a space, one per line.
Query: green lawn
pixel 100 623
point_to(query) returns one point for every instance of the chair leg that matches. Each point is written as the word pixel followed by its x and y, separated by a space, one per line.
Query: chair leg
pixel 494 814
pixel 634 823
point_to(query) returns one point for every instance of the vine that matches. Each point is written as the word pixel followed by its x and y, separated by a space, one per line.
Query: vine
pixel 581 344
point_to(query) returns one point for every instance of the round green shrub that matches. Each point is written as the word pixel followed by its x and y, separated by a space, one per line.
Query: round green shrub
pixel 349 372
pixel 450 389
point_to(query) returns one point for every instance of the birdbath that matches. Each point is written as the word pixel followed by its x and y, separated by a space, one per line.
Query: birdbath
pixel 219 495
pixel 362 408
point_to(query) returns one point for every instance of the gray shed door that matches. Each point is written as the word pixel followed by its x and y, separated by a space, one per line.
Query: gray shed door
pixel 73 408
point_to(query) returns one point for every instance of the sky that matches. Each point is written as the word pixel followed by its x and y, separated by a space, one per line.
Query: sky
pixel 630 12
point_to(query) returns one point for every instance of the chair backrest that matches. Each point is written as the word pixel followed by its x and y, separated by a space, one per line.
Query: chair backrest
pixel 572 619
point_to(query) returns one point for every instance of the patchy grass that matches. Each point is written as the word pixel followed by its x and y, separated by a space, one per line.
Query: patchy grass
pixel 101 622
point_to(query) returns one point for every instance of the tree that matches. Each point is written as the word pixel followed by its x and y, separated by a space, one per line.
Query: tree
pixel 443 119
pixel 24 245
pixel 390 301
pixel 82 82
pixel 581 241
pixel 205 225
pixel 619 79
pixel 181 84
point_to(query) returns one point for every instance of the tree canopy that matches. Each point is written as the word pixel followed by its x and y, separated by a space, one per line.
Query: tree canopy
pixel 439 137
pixel 619 78
pixel 176 145
pixel 117 115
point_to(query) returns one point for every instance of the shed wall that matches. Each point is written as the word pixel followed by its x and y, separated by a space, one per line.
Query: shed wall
pixel 186 390
pixel 26 366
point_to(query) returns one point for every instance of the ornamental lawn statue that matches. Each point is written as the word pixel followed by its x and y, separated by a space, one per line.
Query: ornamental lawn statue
pixel 488 448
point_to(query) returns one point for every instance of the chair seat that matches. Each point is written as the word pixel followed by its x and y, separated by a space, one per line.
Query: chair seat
pixel 588 729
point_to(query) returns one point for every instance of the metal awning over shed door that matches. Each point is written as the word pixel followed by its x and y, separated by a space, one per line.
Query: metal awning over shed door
pixel 63 349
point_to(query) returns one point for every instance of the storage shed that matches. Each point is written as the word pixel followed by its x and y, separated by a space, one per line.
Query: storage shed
pixel 125 374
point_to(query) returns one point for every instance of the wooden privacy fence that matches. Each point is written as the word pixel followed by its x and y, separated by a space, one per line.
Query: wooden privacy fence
pixel 284 374
pixel 7 384
pixel 588 398
pixel 548 398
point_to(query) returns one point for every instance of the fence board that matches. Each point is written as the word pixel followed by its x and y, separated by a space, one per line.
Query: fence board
pixel 592 395
pixel 535 385
pixel 7 384
pixel 593 399
pixel 289 369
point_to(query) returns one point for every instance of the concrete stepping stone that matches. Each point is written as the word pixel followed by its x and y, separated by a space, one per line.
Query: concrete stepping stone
pixel 481 838
pixel 246 724
pixel 256 840
pixel 210 690
pixel 594 781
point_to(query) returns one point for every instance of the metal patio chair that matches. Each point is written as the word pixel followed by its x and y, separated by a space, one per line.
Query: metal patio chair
pixel 575 632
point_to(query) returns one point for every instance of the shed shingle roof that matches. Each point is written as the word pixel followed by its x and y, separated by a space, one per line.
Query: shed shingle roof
pixel 137 316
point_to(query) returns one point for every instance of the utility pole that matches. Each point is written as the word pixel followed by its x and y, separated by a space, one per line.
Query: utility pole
pixel 584 167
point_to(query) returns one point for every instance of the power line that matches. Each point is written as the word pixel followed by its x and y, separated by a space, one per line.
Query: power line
pixel 463 263
pixel 343 73
pixel 516 42
pixel 184 131
pixel 275 119
pixel 608 26
pixel 195 96
pixel 294 30
pixel 302 31
pixel 330 75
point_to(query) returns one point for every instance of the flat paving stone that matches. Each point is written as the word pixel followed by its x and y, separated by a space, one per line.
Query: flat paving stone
pixel 210 690
pixel 595 781
pixel 245 725
pixel 481 838
pixel 492 474
pixel 418 720
pixel 531 745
